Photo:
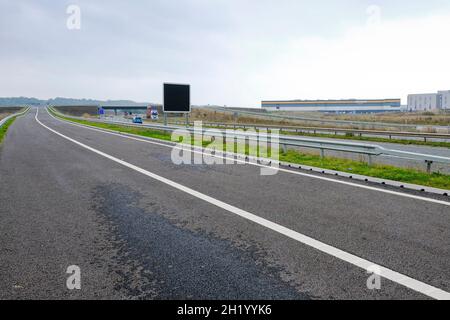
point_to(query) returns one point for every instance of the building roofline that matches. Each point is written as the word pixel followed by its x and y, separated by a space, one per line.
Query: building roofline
pixel 343 101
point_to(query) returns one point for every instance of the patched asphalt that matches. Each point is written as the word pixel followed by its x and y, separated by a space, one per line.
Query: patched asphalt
pixel 136 238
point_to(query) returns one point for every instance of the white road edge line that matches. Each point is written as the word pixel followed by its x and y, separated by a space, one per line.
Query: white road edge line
pixel 261 165
pixel 384 272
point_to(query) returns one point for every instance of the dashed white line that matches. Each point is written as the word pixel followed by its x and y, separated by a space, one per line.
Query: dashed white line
pixel 384 272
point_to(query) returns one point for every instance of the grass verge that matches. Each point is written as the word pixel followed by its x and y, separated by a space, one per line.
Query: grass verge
pixel 4 128
pixel 157 134
pixel 413 176
pixel 436 180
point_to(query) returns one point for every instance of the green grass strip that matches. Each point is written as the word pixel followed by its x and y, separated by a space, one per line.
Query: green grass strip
pixel 4 128
pixel 405 175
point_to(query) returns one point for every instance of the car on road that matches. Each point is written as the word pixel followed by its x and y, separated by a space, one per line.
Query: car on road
pixel 154 114
pixel 137 119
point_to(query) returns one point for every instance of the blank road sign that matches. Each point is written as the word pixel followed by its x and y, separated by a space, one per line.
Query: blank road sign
pixel 177 98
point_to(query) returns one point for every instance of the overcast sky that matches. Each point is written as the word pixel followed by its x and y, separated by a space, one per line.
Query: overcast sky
pixel 234 53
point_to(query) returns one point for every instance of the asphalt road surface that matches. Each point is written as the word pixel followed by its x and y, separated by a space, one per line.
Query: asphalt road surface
pixel 141 227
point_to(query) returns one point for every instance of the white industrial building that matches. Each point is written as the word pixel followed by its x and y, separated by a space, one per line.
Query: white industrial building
pixel 445 99
pixel 429 101
pixel 335 106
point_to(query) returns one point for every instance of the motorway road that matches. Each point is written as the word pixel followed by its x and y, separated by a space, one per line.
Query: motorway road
pixel 135 235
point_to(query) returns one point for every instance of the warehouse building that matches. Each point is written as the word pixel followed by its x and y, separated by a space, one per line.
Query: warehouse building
pixel 429 101
pixel 423 102
pixel 335 106
pixel 445 99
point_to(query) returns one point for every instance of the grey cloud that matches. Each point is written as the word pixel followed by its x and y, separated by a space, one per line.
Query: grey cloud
pixel 125 47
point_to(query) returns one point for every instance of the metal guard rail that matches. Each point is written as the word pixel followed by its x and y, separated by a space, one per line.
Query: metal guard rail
pixel 324 129
pixel 366 149
pixel 19 113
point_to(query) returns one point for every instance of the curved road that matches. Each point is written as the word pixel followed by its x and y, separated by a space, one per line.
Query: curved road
pixel 139 226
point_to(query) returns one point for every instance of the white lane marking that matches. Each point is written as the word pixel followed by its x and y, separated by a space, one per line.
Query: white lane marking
pixel 262 165
pixel 394 276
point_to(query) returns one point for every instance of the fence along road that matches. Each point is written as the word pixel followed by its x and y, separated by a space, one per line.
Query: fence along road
pixel 19 113
pixel 317 130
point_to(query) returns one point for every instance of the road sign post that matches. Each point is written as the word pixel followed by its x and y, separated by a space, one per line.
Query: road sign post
pixel 176 99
